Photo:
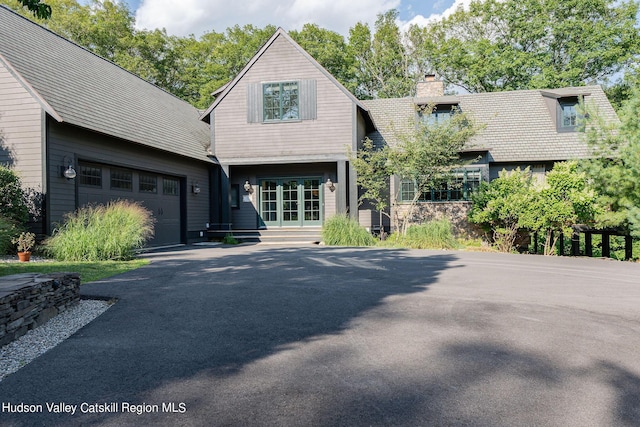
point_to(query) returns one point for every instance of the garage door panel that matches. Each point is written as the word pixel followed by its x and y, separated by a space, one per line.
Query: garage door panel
pixel 97 188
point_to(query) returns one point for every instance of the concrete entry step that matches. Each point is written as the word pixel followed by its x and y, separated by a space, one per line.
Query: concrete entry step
pixel 272 235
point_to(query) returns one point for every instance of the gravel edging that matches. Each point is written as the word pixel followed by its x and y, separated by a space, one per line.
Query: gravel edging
pixel 19 353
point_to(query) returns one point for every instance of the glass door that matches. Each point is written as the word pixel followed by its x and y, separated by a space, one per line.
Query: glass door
pixel 291 202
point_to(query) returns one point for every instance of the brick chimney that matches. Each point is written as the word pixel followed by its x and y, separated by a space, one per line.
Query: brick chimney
pixel 430 87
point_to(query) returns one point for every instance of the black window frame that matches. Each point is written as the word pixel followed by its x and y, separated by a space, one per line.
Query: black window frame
pixel 119 176
pixel 141 177
pixel 83 176
pixel 170 190
pixel 445 192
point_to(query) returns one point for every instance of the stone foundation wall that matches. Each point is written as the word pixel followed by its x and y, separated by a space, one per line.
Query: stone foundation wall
pixel 29 300
pixel 456 212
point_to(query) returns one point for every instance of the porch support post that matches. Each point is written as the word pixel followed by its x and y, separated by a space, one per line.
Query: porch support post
pixel 225 208
pixel 353 192
pixel 342 188
pixel 575 243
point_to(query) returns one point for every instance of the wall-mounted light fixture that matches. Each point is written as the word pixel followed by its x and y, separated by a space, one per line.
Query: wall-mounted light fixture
pixel 330 185
pixel 195 188
pixel 247 187
pixel 67 170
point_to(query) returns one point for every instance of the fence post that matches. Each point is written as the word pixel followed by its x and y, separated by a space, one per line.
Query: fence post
pixel 628 247
pixel 588 244
pixel 575 243
pixel 606 245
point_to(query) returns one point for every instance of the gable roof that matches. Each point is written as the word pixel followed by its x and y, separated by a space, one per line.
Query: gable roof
pixel 224 90
pixel 519 125
pixel 76 86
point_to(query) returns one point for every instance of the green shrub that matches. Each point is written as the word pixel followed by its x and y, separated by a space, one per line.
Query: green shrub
pixel 228 239
pixel 431 235
pixel 13 201
pixel 343 231
pixel 8 231
pixel 96 233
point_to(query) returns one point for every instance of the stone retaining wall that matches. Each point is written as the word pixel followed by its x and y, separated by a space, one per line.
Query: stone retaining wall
pixel 456 212
pixel 28 300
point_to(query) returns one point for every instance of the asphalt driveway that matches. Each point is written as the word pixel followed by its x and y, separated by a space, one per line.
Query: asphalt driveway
pixel 268 335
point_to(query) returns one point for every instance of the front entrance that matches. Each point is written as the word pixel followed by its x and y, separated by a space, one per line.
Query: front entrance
pixel 290 202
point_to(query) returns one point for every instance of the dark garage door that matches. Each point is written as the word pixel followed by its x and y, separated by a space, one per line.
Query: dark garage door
pixel 158 193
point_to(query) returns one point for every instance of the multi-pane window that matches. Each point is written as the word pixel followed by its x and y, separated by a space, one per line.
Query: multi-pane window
pixel 569 115
pixel 281 101
pixel 148 183
pixel 170 186
pixel 121 179
pixel 90 176
pixel 458 187
pixel 439 114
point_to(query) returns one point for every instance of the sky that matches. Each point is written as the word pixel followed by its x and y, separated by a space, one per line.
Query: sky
pixel 184 17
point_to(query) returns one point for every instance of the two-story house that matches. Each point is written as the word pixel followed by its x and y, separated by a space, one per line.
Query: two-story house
pixel 272 151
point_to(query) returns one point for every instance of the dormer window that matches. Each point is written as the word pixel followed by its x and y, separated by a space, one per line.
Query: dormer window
pixel 568 113
pixel 439 114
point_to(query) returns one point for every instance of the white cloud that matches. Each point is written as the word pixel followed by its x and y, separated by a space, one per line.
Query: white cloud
pixel 183 17
pixel 422 21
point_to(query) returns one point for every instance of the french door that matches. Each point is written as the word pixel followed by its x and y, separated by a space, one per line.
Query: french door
pixel 291 202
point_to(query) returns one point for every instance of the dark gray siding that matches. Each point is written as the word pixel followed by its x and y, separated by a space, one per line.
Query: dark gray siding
pixel 69 142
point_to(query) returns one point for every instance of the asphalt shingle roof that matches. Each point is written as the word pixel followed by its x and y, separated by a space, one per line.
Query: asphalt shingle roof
pixel 86 90
pixel 519 126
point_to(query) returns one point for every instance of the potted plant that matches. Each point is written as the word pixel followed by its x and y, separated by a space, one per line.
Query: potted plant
pixel 25 242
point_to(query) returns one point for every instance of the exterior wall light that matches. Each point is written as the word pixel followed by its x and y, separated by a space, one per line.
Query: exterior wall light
pixel 247 187
pixel 195 188
pixel 330 185
pixel 68 171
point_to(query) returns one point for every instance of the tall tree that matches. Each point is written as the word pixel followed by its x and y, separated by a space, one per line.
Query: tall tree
pixel 38 8
pixel 330 50
pixel 525 44
pixel 382 67
pixel 615 170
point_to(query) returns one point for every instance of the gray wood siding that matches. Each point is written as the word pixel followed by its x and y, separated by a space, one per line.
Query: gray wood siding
pixel 79 144
pixel 20 130
pixel 329 134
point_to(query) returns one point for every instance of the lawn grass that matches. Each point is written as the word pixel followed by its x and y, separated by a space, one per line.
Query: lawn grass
pixel 89 270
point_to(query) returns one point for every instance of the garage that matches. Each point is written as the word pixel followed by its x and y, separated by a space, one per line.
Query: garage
pixel 160 193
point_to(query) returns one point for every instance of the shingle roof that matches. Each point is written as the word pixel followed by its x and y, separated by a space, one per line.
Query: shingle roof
pixel 86 90
pixel 519 125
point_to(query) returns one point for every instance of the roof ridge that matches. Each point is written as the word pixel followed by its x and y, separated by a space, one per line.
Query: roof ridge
pixel 90 51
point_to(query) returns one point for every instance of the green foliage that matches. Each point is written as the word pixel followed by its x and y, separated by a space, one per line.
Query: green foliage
pixel 8 231
pixel 101 232
pixel 371 165
pixel 491 47
pixel 428 153
pixel 341 230
pixel 13 203
pixel 39 9
pixel 615 169
pixel 228 239
pixel 382 66
pixel 435 234
pixel 499 206
pixel 566 199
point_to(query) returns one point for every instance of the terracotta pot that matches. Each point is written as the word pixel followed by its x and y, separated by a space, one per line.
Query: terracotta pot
pixel 24 256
